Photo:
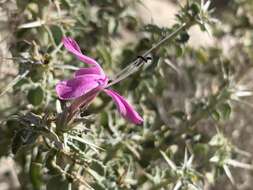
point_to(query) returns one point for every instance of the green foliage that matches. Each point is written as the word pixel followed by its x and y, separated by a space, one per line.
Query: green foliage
pixel 35 96
pixel 186 96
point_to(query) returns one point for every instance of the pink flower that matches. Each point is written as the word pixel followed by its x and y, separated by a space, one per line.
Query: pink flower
pixel 88 83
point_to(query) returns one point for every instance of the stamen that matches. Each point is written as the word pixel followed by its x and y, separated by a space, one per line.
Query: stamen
pixel 132 68
pixel 143 59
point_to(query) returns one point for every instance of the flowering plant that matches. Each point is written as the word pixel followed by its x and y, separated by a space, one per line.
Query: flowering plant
pixel 190 90
pixel 88 82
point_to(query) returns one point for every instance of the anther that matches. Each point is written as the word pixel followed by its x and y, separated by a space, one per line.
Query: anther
pixel 145 59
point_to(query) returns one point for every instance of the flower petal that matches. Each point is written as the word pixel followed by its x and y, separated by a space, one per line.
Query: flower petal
pixel 85 71
pixel 125 109
pixel 74 88
pixel 83 101
pixel 71 45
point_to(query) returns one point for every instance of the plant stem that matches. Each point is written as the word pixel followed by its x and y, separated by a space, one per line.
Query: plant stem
pixel 164 40
pixel 15 81
pixel 137 63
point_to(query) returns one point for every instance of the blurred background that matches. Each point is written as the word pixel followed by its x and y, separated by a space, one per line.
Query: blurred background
pixel 183 84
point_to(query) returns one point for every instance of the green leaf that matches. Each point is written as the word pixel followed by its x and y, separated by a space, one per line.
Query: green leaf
pixel 105 54
pixel 216 115
pixel 179 51
pixel 35 96
pixel 98 167
pixel 195 9
pixel 23 137
pixel 36 175
pixel 151 28
pixel 18 85
pixel 57 33
pixel 225 110
pixel 183 37
pixel 16 142
pixel 131 22
pixel 37 72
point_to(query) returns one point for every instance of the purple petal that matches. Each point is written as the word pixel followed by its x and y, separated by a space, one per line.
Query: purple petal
pixel 71 45
pixel 125 109
pixel 83 101
pixel 85 71
pixel 73 88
